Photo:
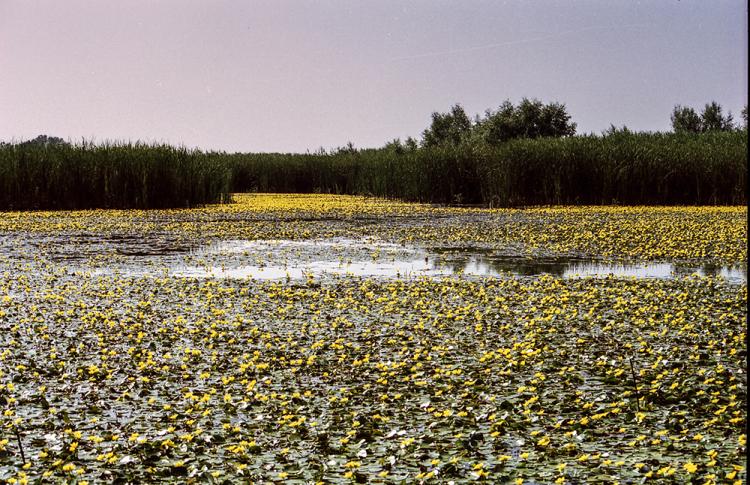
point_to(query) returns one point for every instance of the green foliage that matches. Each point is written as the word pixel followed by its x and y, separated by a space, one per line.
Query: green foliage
pixel 536 167
pixel 621 167
pixel 712 118
pixel 686 120
pixel 447 128
pixel 46 140
pixel 530 119
pixel 51 175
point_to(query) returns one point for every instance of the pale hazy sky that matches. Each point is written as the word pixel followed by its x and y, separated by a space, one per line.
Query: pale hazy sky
pixel 295 75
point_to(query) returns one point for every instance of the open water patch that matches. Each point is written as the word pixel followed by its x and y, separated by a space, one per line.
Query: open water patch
pixel 286 259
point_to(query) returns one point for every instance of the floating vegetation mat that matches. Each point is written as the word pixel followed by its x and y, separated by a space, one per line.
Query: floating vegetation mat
pixel 700 234
pixel 534 379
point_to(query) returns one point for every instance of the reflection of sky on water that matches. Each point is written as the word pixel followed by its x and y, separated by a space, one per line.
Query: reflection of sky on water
pixel 395 269
pixel 302 259
pixel 577 267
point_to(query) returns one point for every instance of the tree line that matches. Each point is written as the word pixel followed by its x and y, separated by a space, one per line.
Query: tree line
pixel 533 119
pixel 686 119
pixel 528 119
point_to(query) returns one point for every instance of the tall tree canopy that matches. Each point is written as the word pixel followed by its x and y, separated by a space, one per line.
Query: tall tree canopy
pixel 530 119
pixel 447 128
pixel 712 118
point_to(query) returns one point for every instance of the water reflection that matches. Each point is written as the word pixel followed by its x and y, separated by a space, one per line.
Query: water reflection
pixel 341 258
pixel 581 267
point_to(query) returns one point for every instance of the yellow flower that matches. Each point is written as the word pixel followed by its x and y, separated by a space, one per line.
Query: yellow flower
pixel 690 467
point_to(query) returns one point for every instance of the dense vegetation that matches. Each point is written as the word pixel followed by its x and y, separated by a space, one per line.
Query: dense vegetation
pixel 126 358
pixel 712 118
pixel 621 167
pixel 517 155
pixel 56 175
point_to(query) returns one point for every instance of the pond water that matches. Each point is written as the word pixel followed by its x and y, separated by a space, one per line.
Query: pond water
pixel 285 259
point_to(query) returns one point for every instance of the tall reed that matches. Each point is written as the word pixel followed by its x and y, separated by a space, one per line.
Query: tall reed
pixel 620 168
pixel 109 175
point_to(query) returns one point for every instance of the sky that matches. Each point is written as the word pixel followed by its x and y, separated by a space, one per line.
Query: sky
pixel 291 76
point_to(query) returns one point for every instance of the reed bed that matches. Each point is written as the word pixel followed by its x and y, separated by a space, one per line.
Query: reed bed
pixel 109 175
pixel 623 168
pixel 620 168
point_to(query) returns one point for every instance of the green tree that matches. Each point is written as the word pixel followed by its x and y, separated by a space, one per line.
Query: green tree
pixel 555 121
pixel 447 128
pixel 712 118
pixel 45 140
pixel 530 119
pixel 686 120
pixel 500 125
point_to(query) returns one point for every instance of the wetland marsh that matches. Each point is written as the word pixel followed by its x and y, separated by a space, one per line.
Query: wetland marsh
pixel 342 339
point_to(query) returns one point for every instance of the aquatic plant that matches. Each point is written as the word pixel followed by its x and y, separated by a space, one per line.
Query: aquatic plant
pixel 706 234
pixel 620 168
pixel 122 175
pixel 116 377
pixel 364 380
